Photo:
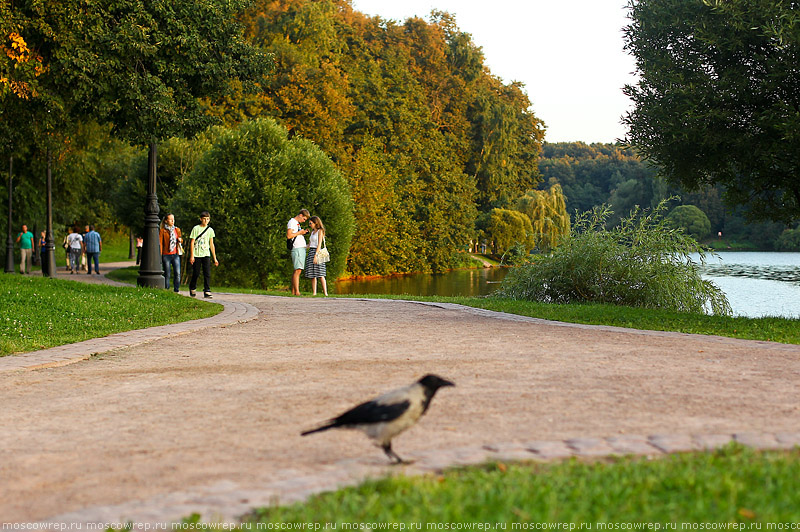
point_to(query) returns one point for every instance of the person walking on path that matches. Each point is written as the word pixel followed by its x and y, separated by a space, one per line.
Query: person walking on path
pixel 42 243
pixel 75 244
pixel 297 247
pixel 83 253
pixel 315 269
pixel 25 239
pixel 139 244
pixel 201 253
pixel 170 239
pixel 93 245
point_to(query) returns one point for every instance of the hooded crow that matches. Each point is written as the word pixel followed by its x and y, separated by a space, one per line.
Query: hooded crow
pixel 386 416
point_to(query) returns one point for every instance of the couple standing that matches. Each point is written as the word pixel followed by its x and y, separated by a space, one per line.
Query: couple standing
pixel 306 257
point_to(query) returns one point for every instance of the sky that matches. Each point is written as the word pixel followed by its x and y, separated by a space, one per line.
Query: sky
pixel 568 53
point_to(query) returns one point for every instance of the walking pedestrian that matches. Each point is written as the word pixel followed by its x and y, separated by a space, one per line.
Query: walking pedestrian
pixel 25 239
pixel 171 245
pixel 297 247
pixel 201 253
pixel 93 245
pixel 139 244
pixel 75 245
pixel 315 268
pixel 42 244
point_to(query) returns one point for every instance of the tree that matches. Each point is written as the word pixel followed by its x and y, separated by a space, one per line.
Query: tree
pixel 252 180
pixel 691 219
pixel 547 212
pixel 508 228
pixel 718 98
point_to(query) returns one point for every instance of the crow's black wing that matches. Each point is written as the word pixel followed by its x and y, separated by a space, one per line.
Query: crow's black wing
pixel 372 412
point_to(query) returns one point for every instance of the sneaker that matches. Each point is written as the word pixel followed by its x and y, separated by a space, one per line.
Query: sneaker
pixel 192 293
pixel 208 295
pixel 176 291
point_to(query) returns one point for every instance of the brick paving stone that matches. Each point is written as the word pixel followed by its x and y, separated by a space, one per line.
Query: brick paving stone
pixel 673 443
pixel 788 440
pixel 512 452
pixel 630 444
pixel 712 441
pixel 590 446
pixel 550 449
pixel 757 440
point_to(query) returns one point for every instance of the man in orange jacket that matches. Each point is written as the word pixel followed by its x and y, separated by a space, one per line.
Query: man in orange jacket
pixel 171 251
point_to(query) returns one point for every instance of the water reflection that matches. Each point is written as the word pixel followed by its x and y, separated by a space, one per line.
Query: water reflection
pixel 757 283
pixel 478 282
pixel 783 267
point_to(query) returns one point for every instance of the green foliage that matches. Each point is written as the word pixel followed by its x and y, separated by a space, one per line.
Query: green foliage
pixel 789 240
pixel 547 212
pixel 692 220
pixel 731 488
pixel 642 263
pixel 507 228
pixel 597 174
pixel 68 312
pixel 252 180
pixel 410 115
pixel 716 98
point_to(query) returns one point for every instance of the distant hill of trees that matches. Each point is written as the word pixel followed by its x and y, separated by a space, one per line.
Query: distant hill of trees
pixel 595 174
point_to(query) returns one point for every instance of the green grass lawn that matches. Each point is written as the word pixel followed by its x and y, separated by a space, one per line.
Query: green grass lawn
pixel 40 312
pixel 732 485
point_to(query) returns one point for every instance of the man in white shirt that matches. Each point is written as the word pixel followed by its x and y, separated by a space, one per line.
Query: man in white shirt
pixel 75 245
pixel 298 247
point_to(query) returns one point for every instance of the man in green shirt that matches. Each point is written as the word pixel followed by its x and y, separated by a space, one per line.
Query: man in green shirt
pixel 201 253
pixel 25 239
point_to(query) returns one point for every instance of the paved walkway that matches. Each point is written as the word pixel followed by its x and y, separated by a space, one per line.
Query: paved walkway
pixel 208 421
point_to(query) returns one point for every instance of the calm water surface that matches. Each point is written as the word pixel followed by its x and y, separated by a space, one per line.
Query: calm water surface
pixel 756 283
pixel 478 282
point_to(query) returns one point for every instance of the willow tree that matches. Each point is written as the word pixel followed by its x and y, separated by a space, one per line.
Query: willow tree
pixel 547 212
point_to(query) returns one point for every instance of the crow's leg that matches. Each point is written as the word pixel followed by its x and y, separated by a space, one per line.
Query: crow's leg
pixel 387 448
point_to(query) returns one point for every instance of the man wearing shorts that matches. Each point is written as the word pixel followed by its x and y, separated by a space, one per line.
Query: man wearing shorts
pixel 298 249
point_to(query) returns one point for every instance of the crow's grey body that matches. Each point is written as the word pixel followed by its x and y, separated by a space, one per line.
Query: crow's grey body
pixel 386 416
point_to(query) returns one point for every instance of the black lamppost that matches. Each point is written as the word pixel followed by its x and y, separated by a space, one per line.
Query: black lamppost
pixel 10 240
pixel 150 275
pixel 49 264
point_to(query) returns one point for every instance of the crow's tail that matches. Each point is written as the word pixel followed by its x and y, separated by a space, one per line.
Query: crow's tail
pixel 318 429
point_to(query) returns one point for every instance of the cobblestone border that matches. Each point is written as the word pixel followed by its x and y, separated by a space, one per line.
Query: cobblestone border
pixel 233 312
pixel 607 328
pixel 226 502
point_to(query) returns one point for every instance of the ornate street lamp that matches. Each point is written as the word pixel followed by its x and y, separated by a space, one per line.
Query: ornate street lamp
pixel 10 240
pixel 150 275
pixel 49 264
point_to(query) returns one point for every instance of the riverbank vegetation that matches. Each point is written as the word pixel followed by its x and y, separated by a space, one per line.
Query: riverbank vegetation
pixel 615 175
pixel 734 485
pixel 39 312
pixel 643 261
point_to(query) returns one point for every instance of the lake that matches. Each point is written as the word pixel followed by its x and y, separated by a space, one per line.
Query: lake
pixel 756 283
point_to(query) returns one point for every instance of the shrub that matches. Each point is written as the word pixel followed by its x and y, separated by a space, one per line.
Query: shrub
pixel 642 262
pixel 252 180
pixel 691 219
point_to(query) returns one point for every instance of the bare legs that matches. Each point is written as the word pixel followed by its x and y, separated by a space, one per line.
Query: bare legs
pixel 314 286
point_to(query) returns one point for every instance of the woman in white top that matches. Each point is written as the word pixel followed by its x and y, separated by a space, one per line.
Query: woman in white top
pixel 315 270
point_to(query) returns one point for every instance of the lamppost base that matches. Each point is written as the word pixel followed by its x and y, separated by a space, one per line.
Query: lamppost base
pixel 150 279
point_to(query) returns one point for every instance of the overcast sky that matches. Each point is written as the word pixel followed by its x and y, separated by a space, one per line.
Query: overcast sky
pixel 568 53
